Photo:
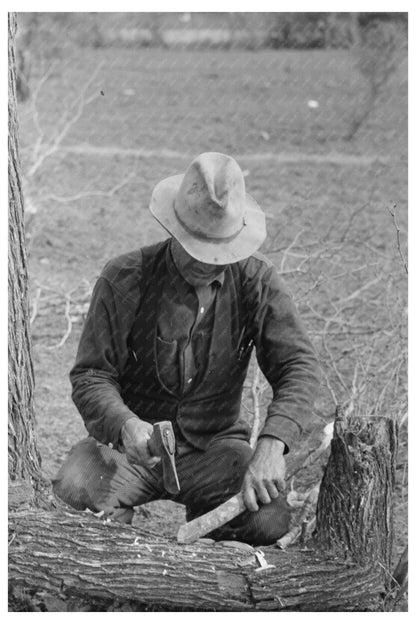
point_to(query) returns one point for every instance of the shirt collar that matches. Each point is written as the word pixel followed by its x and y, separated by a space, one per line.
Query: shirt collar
pixel 178 279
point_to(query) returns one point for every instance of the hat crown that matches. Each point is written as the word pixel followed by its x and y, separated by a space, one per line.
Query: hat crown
pixel 211 199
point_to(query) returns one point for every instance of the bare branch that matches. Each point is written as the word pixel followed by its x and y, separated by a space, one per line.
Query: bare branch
pixel 69 321
pixel 396 225
pixel 85 194
pixel 315 454
pixel 35 96
pixel 386 385
pixel 43 151
pixel 287 250
pixel 35 305
pixel 360 290
pixel 311 288
pixel 76 300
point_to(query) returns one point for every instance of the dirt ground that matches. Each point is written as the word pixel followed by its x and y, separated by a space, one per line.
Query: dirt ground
pixel 326 200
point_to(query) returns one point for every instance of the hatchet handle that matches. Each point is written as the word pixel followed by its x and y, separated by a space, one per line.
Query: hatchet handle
pixel 219 516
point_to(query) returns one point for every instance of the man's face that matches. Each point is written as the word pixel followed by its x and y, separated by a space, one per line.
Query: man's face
pixel 193 271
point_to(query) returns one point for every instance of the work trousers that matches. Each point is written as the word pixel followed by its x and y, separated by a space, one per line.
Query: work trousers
pixel 99 478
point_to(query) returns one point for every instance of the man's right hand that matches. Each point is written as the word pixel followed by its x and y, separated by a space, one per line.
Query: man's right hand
pixel 135 434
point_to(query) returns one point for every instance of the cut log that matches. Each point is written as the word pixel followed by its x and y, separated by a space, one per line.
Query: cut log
pixel 76 554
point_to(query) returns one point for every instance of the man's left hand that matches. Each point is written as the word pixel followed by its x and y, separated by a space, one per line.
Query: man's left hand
pixel 265 476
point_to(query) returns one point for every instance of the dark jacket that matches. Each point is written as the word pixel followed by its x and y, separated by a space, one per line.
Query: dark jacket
pixel 116 371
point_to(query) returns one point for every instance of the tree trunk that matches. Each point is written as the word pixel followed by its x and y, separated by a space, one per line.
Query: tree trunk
pixel 77 555
pixel 24 459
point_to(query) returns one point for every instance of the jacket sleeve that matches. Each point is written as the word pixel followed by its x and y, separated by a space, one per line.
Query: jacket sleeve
pixel 287 359
pixel 100 360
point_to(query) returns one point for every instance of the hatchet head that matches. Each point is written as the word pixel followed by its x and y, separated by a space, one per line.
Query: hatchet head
pixel 162 444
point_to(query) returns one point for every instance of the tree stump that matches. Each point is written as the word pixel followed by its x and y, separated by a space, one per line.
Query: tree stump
pixel 354 511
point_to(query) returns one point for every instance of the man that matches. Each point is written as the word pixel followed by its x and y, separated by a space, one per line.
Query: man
pixel 168 336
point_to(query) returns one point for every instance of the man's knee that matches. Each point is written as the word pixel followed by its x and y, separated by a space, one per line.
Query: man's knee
pixel 77 481
pixel 226 466
pixel 71 490
pixel 98 478
pixel 219 475
pixel 69 484
pixel 232 457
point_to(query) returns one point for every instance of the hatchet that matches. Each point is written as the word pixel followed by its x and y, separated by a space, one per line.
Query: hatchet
pixel 162 444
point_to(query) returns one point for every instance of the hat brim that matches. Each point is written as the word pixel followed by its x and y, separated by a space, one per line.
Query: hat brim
pixel 247 241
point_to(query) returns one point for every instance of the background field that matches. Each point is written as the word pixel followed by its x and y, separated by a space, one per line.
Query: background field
pixel 104 124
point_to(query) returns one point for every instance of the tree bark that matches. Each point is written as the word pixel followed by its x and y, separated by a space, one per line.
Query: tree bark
pixel 343 569
pixel 74 554
pixel 24 459
pixel 355 512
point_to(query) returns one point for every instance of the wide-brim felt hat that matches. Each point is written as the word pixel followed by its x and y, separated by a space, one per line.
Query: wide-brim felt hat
pixel 208 211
